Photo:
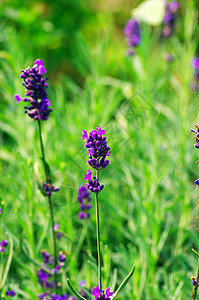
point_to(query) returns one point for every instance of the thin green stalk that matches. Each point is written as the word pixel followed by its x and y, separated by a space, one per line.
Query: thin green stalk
pixel 98 237
pixel 48 179
pixel 7 266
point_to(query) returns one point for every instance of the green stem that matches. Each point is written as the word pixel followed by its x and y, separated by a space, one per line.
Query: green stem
pixel 73 290
pixel 98 238
pixel 124 282
pixel 42 151
pixel 48 179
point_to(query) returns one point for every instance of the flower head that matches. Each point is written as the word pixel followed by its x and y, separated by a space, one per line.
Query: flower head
pixel 49 188
pixel 84 198
pixel 196 136
pixel 169 22
pixel 3 245
pixel 10 293
pixel 194 280
pixel 100 294
pixel 132 32
pixel 97 148
pixel 35 85
pixel 93 185
pixel 195 66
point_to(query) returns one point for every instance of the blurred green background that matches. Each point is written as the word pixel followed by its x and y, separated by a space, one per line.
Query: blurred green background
pixel 149 207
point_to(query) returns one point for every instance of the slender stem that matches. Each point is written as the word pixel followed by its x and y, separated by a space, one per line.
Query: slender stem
pixel 98 237
pixel 49 202
pixel 42 151
pixel 73 290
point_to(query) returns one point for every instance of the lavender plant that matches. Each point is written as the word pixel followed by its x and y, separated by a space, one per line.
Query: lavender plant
pixel 169 22
pixel 132 32
pixel 98 151
pixel 195 279
pixel 39 109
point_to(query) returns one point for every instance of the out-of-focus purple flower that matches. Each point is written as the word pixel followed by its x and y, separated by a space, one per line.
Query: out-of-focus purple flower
pixel 196 136
pixel 35 85
pixel 49 188
pixel 97 148
pixel 93 185
pixel 194 280
pixel 62 256
pixel 169 22
pixel 84 198
pixel 100 294
pixel 195 66
pixel 82 283
pixel 132 32
pixel 10 293
pixel 169 58
pixel 3 245
pixel 57 232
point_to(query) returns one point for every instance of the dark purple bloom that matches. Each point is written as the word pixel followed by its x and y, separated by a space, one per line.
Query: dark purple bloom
pixel 84 198
pixel 93 185
pixel 97 148
pixel 132 32
pixel 35 85
pixel 10 293
pixel 100 294
pixel 49 188
pixel 3 245
pixel 169 22
pixel 194 280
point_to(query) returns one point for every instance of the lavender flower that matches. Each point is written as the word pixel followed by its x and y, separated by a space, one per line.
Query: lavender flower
pixel 100 294
pixel 169 22
pixel 194 280
pixel 49 189
pixel 84 198
pixel 44 278
pixel 132 32
pixel 57 232
pixel 195 66
pixel 93 185
pixel 36 94
pixel 10 293
pixel 3 245
pixel 196 136
pixel 48 296
pixel 97 148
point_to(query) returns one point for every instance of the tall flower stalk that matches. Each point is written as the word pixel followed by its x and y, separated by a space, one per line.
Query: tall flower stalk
pixel 39 109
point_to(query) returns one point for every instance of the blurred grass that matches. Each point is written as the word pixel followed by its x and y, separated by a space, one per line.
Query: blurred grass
pixel 149 207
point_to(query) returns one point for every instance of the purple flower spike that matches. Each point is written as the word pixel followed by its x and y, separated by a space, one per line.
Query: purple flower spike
pixel 84 198
pixel 94 185
pixel 36 95
pixel 10 293
pixel 3 245
pixel 100 294
pixel 132 32
pixel 97 149
pixel 169 22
